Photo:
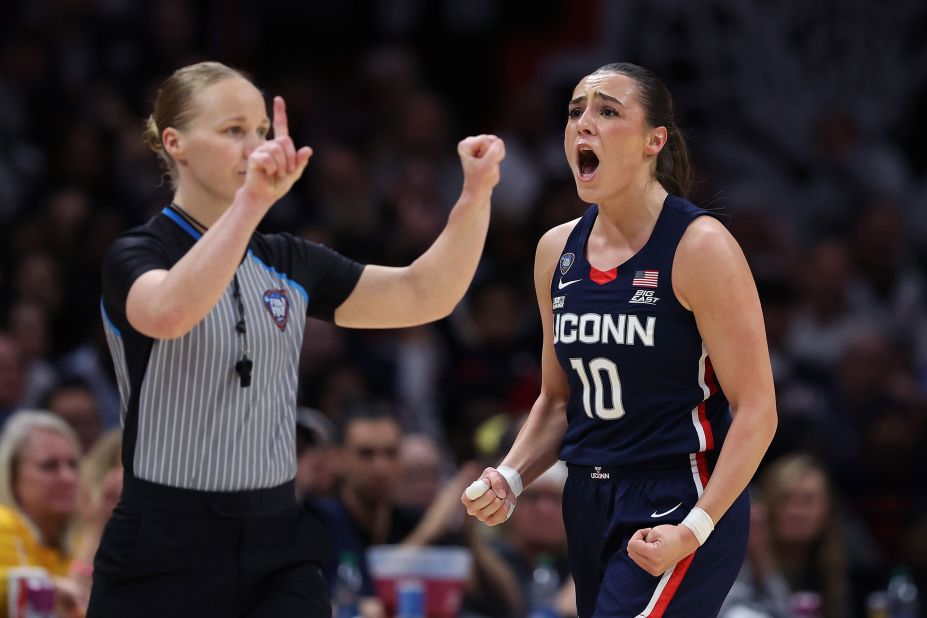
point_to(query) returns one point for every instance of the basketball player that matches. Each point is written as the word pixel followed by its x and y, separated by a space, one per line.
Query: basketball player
pixel 657 389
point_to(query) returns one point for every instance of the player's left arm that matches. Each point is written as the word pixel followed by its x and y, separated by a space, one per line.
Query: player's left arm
pixel 715 282
pixel 712 279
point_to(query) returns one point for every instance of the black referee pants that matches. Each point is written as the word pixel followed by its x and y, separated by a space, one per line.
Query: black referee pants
pixel 179 552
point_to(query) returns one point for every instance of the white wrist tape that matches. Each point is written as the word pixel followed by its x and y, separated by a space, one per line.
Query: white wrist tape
pixel 699 522
pixel 479 487
pixel 512 477
pixel 510 508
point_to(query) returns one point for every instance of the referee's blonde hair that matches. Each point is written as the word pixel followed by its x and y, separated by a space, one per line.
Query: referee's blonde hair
pixel 174 105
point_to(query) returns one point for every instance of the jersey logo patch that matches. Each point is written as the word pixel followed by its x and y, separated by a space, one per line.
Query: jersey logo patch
pixel 646 278
pixel 566 260
pixel 558 302
pixel 278 305
pixel 598 474
pixel 644 297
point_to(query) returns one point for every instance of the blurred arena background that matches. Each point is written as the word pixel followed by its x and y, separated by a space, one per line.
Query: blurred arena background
pixel 806 120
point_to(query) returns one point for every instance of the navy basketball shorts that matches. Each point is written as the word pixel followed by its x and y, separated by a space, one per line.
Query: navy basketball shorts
pixel 603 508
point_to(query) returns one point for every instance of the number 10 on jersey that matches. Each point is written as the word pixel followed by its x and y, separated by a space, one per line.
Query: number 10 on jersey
pixel 597 368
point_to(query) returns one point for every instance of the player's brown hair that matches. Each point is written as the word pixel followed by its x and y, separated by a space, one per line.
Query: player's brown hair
pixel 673 171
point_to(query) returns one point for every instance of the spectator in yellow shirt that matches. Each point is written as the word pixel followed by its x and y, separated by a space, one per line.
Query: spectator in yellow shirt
pixel 39 455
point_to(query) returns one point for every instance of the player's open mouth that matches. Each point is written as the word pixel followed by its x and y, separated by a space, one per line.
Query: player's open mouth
pixel 586 164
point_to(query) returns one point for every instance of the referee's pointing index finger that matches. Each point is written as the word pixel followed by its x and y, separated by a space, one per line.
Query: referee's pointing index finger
pixel 281 128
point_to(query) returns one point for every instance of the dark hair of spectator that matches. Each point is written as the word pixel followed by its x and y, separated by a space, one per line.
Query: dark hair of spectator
pixel 70 382
pixel 674 171
pixel 364 411
pixel 174 105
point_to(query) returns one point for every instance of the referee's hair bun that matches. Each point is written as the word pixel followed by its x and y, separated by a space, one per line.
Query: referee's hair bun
pixel 153 135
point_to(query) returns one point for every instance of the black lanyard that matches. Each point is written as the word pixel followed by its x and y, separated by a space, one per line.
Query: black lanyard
pixel 244 364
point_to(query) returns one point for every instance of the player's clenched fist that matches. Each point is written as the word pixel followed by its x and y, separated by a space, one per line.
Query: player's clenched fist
pixel 275 165
pixel 480 157
pixel 489 498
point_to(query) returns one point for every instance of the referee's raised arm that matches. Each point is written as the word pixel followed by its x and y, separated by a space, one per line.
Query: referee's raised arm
pixel 430 287
pixel 166 304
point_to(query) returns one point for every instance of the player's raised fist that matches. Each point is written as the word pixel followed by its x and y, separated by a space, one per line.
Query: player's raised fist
pixel 480 157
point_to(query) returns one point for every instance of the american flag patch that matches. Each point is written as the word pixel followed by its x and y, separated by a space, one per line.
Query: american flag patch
pixel 645 278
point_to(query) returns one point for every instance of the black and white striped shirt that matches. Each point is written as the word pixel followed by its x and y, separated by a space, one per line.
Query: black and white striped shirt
pixel 188 421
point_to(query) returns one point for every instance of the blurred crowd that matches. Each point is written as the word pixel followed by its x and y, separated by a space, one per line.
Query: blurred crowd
pixel 804 125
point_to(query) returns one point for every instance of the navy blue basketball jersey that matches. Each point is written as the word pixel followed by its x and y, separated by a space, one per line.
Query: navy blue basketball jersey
pixel 642 390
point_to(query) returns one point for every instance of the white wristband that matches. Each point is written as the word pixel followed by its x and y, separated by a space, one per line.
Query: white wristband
pixel 699 522
pixel 512 477
pixel 510 509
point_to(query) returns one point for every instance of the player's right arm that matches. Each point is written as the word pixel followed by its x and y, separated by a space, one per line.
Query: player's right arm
pixel 538 443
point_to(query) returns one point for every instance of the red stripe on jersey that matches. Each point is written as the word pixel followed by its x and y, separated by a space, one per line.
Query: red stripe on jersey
pixel 706 427
pixel 602 276
pixel 710 381
pixel 702 462
pixel 679 571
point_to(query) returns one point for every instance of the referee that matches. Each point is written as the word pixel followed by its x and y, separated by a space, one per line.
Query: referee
pixel 204 318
